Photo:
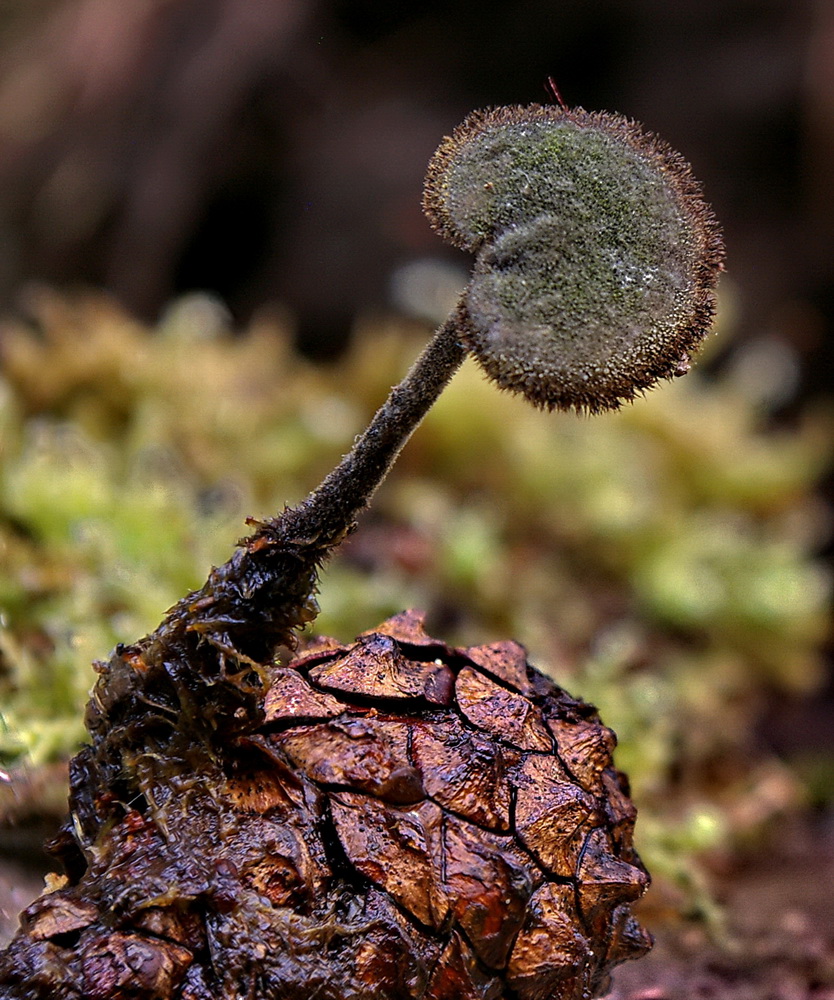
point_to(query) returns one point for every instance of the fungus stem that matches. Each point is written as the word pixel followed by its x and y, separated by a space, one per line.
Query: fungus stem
pixel 330 510
pixel 260 597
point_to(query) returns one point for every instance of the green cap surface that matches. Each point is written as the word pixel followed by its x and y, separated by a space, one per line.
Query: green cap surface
pixel 596 255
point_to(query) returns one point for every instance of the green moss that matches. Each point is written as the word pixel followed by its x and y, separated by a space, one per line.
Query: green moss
pixel 665 574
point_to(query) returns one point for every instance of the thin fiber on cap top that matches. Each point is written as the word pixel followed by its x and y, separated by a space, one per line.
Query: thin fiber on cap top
pixel 596 254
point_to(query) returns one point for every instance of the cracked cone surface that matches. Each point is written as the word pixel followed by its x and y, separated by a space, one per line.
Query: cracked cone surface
pixel 400 820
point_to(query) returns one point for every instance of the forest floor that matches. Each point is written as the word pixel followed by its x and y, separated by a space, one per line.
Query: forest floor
pixel 779 908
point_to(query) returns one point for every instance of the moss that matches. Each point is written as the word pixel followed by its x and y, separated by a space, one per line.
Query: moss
pixel 119 488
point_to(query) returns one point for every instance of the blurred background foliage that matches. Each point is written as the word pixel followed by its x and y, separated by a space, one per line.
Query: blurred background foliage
pixel 659 562
pixel 671 562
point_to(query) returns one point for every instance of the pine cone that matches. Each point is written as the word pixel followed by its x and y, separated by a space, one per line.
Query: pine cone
pixel 406 820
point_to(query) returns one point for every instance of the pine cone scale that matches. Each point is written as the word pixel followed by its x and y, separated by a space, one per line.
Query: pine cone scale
pixel 362 841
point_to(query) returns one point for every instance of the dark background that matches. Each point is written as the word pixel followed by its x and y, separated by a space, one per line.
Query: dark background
pixel 274 151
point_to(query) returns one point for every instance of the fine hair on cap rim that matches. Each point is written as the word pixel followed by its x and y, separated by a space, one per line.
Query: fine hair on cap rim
pixel 596 255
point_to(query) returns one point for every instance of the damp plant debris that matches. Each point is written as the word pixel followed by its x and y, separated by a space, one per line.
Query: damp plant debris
pixel 394 817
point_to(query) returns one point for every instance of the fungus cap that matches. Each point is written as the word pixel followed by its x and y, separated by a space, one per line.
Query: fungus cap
pixel 596 254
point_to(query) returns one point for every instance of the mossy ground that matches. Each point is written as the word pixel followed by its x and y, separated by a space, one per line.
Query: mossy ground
pixel 658 561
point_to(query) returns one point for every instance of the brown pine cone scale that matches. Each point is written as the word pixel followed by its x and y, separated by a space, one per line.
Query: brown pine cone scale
pixel 406 821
